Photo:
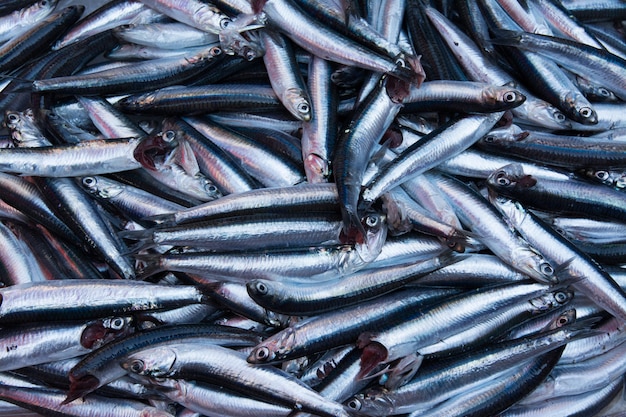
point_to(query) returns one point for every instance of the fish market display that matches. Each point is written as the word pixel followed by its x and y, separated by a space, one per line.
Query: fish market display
pixel 293 208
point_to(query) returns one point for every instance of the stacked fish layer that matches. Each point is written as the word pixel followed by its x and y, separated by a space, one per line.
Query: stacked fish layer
pixel 299 207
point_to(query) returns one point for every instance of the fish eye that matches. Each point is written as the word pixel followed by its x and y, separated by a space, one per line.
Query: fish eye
pixel 117 323
pixel 604 92
pixel 560 297
pixel 262 353
pixel 303 108
pixel 13 118
pixel 136 366
pixel 489 138
pixel 250 54
pixel 224 23
pixel 371 221
pixel 261 288
pixel 216 51
pixel 502 180
pixel 169 136
pixel 546 269
pixel 89 182
pixel 509 97
pixel 210 188
pixel 562 321
pixel 586 112
pixel 602 175
pixel 560 117
pixel 354 404
pixel 401 63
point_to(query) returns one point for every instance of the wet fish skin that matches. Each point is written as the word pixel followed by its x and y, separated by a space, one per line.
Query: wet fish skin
pixel 188 361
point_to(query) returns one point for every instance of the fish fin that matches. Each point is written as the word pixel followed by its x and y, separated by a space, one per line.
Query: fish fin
pixel 79 387
pixel 150 265
pixel 143 238
pixel 165 219
pixel 404 370
pixel 186 158
pixel 459 240
pixel 506 37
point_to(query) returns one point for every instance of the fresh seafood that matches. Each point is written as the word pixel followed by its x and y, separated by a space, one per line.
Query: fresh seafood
pixel 304 208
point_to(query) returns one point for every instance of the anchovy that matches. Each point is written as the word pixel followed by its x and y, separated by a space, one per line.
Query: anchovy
pixel 318 262
pixel 479 68
pixel 85 158
pixel 18 21
pixel 189 361
pixel 289 18
pixel 439 380
pixel 322 197
pixel 35 344
pixel 227 175
pixel 356 144
pixel 63 299
pixel 195 13
pixel 20 49
pixel 583 59
pixel 210 399
pixel 17 261
pixel 573 196
pixel 489 226
pixel 174 36
pixel 279 172
pixel 570 264
pixel 570 152
pixel 108 16
pixel 319 135
pixel 134 78
pixel 102 365
pixel 449 140
pixel 135 203
pixel 438 322
pixel 284 75
pixel 315 298
pixel 50 400
pixel 589 402
pixel 310 335
pixel 463 96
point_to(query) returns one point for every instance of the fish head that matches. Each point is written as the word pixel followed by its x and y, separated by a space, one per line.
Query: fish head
pixel 533 264
pixel 153 150
pixel 317 168
pixel 510 177
pixel 275 348
pixel 375 226
pixel 375 402
pixel 298 103
pixel 544 114
pixel 96 186
pixel 552 300
pixel 577 108
pixel 503 135
pixel 101 331
pixel 264 291
pixel 502 97
pixel 154 363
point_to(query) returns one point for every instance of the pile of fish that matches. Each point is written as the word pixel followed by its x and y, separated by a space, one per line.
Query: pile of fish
pixel 312 207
